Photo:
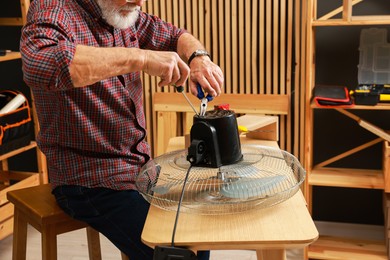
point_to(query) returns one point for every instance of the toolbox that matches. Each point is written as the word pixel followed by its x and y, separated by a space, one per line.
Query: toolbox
pixel 16 125
pixel 371 94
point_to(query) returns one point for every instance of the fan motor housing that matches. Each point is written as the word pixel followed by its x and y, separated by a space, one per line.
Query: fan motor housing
pixel 215 139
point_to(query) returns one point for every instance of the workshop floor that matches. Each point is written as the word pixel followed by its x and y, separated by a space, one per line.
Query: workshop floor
pixel 72 246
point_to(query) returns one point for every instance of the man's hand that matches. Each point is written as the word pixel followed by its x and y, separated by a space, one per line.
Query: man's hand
pixel 207 74
pixel 168 66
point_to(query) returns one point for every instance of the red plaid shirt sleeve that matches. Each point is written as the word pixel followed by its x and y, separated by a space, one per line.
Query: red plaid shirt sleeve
pixel 92 136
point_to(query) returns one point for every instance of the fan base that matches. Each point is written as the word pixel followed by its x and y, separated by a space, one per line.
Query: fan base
pixel 173 253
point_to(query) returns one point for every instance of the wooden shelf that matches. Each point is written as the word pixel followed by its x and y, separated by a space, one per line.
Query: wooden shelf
pixel 326 247
pixel 10 56
pixel 355 21
pixel 32 145
pixel 349 178
pixel 329 248
pixel 11 21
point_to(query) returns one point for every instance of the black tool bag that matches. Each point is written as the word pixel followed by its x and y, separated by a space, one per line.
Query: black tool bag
pixel 16 125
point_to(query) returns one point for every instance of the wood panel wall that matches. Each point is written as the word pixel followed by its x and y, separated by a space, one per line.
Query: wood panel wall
pixel 257 43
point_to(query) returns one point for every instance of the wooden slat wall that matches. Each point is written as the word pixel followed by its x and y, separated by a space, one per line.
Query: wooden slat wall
pixel 254 42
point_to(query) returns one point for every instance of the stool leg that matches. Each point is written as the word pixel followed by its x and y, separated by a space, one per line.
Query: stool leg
pixel 93 244
pixel 49 242
pixel 20 236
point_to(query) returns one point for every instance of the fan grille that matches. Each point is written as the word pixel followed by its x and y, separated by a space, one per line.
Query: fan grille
pixel 265 177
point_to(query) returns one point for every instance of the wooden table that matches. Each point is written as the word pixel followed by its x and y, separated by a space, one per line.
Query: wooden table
pixel 269 231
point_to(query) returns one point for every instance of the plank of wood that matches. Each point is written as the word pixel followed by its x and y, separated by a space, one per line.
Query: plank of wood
pixel 248 49
pixel 175 7
pixel 347 10
pixel 386 165
pixel 260 126
pixel 254 50
pixel 374 129
pixel 228 48
pixel 169 11
pixel 235 47
pixel 355 20
pixel 289 91
pixel 6 228
pixel 346 178
pixel 24 6
pixel 275 49
pixel 241 49
pixel 195 14
pixel 188 121
pixel 28 182
pixel 366 125
pixel 11 21
pixel 255 122
pixel 10 56
pixel 299 80
pixel 209 33
pixel 240 103
pixel 188 16
pixel 349 152
pixel 214 36
pixel 6 211
pixel 333 248
pixel 166 124
pixel 201 22
pixel 262 49
pixel 337 11
pixel 268 48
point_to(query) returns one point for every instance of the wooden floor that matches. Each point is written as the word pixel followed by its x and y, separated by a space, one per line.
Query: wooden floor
pixel 72 246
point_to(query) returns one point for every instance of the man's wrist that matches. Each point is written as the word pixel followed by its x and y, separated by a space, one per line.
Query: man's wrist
pixel 197 53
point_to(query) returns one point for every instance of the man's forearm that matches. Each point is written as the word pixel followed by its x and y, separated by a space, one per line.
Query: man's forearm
pixel 187 44
pixel 91 64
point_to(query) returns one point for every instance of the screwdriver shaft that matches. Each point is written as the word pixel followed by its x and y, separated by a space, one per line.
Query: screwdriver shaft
pixel 189 102
pixel 181 90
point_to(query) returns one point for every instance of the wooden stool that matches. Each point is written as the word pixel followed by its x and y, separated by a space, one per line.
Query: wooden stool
pixel 37 206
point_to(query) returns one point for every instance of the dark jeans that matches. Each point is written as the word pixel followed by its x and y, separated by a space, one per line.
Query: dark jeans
pixel 118 215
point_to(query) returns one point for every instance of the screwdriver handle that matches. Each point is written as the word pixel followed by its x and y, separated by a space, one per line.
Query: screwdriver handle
pixel 179 88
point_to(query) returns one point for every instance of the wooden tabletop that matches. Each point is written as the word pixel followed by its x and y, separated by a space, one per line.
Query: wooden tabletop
pixel 286 225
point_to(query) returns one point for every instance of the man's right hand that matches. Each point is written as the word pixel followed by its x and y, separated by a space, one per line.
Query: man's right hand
pixel 168 66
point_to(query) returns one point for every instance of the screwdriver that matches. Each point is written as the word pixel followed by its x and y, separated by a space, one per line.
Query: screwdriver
pixel 180 89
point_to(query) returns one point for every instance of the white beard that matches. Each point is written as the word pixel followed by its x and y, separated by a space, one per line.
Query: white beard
pixel 113 16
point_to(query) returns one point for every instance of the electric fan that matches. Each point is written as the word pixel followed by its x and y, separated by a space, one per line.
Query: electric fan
pixel 219 175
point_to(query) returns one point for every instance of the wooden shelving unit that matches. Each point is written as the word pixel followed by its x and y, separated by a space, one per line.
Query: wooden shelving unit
pixel 11 180
pixel 321 174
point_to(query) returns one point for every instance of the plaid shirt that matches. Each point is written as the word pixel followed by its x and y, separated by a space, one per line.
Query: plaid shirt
pixel 93 136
